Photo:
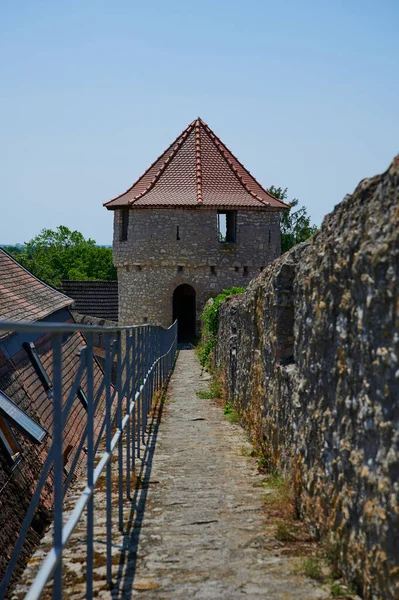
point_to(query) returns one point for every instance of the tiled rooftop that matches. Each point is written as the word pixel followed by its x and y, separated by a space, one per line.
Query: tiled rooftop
pixel 23 297
pixel 94 298
pixel 197 170
pixel 19 380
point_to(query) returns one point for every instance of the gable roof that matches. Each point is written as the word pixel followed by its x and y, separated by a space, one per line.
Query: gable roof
pixel 94 298
pixel 197 170
pixel 23 297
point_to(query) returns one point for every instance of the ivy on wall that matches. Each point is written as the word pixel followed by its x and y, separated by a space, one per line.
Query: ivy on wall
pixel 210 324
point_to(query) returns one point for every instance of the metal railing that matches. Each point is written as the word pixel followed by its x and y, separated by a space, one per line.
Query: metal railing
pixel 116 417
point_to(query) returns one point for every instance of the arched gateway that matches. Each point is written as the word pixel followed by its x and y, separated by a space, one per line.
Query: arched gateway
pixel 184 311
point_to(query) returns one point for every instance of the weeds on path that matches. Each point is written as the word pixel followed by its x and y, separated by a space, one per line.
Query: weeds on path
pixel 214 392
pixel 230 413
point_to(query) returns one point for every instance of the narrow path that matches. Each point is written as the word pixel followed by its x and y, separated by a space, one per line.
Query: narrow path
pixel 196 526
pixel 204 533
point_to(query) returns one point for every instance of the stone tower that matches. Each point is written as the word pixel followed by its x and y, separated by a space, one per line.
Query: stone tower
pixel 196 222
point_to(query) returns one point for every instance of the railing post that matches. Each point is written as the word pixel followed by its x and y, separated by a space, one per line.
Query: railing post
pixel 149 395
pixel 150 367
pixel 160 359
pixel 144 396
pixel 128 399
pixel 151 391
pixel 134 385
pixel 140 376
pixel 119 388
pixel 58 467
pixel 90 467
pixel 108 433
pixel 164 360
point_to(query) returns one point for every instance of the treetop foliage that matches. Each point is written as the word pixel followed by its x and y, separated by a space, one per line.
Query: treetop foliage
pixel 295 224
pixel 59 254
pixel 15 250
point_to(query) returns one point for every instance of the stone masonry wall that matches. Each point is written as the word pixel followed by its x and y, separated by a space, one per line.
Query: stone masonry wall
pixel 146 296
pixel 310 354
pixel 153 262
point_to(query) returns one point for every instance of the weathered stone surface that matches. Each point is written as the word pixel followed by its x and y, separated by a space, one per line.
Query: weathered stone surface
pixel 311 357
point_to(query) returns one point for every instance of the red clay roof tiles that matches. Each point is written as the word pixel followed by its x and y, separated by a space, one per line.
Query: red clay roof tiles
pixel 197 170
pixel 23 297
pixel 19 381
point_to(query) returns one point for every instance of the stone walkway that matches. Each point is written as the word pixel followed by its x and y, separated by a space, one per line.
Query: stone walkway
pixel 203 530
pixel 197 525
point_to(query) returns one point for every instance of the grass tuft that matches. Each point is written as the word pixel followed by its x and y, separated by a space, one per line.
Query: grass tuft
pixel 337 590
pixel 332 554
pixel 274 480
pixel 312 568
pixel 246 451
pixel 230 413
pixel 205 394
pixel 285 532
pixel 281 499
pixel 214 391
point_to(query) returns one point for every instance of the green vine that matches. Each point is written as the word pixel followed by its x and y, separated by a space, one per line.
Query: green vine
pixel 210 325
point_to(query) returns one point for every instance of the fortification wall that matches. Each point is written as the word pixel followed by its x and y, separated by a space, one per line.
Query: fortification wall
pixel 311 358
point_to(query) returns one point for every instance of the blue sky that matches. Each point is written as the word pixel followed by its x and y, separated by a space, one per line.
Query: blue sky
pixel 305 94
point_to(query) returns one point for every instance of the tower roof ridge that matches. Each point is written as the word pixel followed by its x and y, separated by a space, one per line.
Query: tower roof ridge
pixel 198 159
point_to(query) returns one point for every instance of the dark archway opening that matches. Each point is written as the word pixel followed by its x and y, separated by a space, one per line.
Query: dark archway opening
pixel 184 311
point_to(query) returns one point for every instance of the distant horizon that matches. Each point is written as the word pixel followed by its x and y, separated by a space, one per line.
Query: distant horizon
pixel 304 95
pixel 19 244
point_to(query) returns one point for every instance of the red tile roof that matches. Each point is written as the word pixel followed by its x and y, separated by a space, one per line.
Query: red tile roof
pixel 18 379
pixel 197 170
pixel 23 297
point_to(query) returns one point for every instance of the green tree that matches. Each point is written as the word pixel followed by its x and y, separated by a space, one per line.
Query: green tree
pixel 59 254
pixel 18 249
pixel 295 224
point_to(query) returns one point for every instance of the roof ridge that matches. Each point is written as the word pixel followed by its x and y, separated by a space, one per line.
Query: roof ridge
pixel 151 165
pixel 221 146
pixel 178 144
pixel 198 159
pixel 85 281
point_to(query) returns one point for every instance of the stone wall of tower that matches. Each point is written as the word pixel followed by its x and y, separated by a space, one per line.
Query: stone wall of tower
pixel 152 262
